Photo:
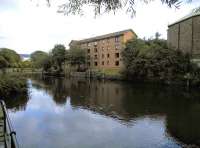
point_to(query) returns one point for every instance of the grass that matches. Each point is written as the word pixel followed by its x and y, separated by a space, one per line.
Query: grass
pixel 111 72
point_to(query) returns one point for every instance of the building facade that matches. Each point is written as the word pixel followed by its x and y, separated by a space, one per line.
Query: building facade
pixel 104 52
pixel 184 34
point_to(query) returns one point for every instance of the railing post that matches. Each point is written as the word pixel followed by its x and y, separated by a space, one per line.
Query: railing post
pixel 8 130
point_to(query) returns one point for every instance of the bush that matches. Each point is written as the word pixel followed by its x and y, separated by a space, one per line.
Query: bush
pixel 12 85
pixel 146 60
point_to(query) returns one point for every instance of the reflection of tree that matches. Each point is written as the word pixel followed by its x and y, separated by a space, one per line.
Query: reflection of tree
pixel 17 102
pixel 125 102
pixel 181 109
pixel 58 88
pixel 184 124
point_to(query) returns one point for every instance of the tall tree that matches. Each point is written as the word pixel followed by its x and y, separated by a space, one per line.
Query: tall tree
pixel 77 57
pixel 3 62
pixel 10 56
pixel 38 58
pixel 58 55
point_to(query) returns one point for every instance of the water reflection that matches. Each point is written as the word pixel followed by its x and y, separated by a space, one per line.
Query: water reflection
pixel 68 113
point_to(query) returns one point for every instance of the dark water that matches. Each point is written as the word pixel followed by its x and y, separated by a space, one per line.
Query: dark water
pixel 64 113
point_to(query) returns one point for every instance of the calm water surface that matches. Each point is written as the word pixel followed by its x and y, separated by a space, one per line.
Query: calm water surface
pixel 64 113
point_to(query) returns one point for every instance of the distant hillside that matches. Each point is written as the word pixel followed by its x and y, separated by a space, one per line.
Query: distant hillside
pixel 25 56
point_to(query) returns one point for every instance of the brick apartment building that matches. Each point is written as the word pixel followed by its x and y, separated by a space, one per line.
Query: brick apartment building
pixel 104 52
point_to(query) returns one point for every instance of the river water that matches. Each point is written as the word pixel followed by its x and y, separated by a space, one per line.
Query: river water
pixel 78 113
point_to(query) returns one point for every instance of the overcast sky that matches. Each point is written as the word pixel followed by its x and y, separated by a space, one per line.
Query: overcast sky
pixel 26 26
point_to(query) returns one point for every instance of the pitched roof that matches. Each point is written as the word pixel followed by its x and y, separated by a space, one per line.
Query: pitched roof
pixel 102 36
pixel 190 15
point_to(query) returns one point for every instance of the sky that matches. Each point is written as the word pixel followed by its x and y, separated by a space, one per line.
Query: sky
pixel 30 25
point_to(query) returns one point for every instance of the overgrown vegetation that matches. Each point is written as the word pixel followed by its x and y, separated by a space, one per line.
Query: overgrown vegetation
pixel 38 58
pixel 77 57
pixel 9 58
pixel 152 60
pixel 12 85
pixel 55 61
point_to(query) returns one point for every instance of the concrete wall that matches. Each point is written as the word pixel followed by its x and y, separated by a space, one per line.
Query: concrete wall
pixel 185 41
pixel 185 36
pixel 196 35
pixel 173 35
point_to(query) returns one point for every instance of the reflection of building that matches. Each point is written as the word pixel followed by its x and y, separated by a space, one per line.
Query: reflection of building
pixel 185 34
pixel 105 51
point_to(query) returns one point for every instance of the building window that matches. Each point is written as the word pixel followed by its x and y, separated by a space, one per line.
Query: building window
pixel 95 49
pixel 95 56
pixel 95 63
pixel 117 39
pixel 108 55
pixel 103 63
pixel 102 55
pixel 88 50
pixel 88 63
pixel 117 55
pixel 117 63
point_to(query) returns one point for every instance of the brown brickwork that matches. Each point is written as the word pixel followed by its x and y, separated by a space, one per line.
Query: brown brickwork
pixel 104 52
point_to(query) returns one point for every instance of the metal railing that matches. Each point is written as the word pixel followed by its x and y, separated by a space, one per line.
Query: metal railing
pixel 9 133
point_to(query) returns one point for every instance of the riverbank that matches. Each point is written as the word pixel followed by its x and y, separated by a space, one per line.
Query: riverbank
pixel 187 80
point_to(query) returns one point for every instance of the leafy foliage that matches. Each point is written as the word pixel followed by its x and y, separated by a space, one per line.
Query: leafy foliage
pixel 10 56
pixel 26 64
pixel 76 6
pixel 77 56
pixel 11 85
pixel 58 55
pixel 151 60
pixel 3 62
pixel 38 58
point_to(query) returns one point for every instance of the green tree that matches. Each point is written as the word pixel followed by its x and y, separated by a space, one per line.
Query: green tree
pixel 58 56
pixel 26 64
pixel 149 59
pixel 47 64
pixel 77 57
pixel 3 62
pixel 10 56
pixel 38 58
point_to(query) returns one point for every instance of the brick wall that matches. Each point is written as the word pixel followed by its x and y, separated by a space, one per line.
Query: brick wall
pixel 106 53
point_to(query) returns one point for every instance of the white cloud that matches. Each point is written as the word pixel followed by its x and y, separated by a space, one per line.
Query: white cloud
pixel 28 27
